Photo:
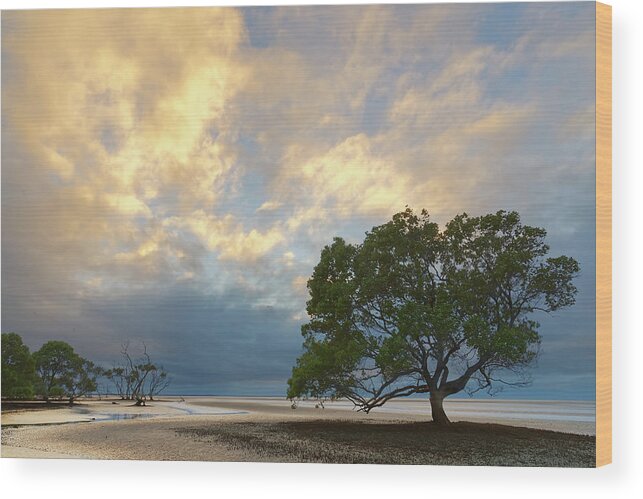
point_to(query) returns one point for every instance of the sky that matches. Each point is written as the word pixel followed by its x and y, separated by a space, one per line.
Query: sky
pixel 170 176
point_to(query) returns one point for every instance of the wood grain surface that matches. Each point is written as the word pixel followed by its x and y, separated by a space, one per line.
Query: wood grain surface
pixel 603 234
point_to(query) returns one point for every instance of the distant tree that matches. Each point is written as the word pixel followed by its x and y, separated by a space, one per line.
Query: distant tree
pixel 53 361
pixel 137 378
pixel 120 379
pixel 63 373
pixel 417 310
pixel 18 368
pixel 159 380
pixel 80 379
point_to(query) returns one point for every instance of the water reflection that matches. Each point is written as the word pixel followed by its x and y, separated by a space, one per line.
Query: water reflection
pixel 122 417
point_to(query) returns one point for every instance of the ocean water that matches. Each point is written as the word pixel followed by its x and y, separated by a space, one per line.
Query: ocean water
pixel 555 410
pixel 560 415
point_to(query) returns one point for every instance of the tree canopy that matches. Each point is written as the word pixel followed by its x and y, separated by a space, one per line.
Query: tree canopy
pixel 18 368
pixel 415 309
pixel 56 371
pixel 63 373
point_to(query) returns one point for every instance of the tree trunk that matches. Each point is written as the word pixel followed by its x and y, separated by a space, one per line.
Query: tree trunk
pixel 437 409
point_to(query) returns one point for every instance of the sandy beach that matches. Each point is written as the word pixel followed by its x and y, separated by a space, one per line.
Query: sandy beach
pixel 268 429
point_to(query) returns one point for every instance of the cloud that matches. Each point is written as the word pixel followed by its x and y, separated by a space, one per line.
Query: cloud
pixel 133 126
pixel 228 238
pixel 346 180
pixel 269 206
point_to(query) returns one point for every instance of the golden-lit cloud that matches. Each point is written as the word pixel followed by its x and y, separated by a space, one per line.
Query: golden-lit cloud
pixel 163 140
pixel 227 237
pixel 431 126
pixel 346 180
pixel 128 109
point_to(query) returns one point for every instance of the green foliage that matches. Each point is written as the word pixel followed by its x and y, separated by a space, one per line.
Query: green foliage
pixel 417 310
pixel 56 371
pixel 80 379
pixel 63 373
pixel 326 368
pixel 18 368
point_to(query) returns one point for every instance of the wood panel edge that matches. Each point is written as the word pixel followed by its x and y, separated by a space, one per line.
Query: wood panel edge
pixel 603 234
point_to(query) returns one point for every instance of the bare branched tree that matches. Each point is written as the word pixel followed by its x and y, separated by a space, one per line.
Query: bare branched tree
pixel 158 381
pixel 137 378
